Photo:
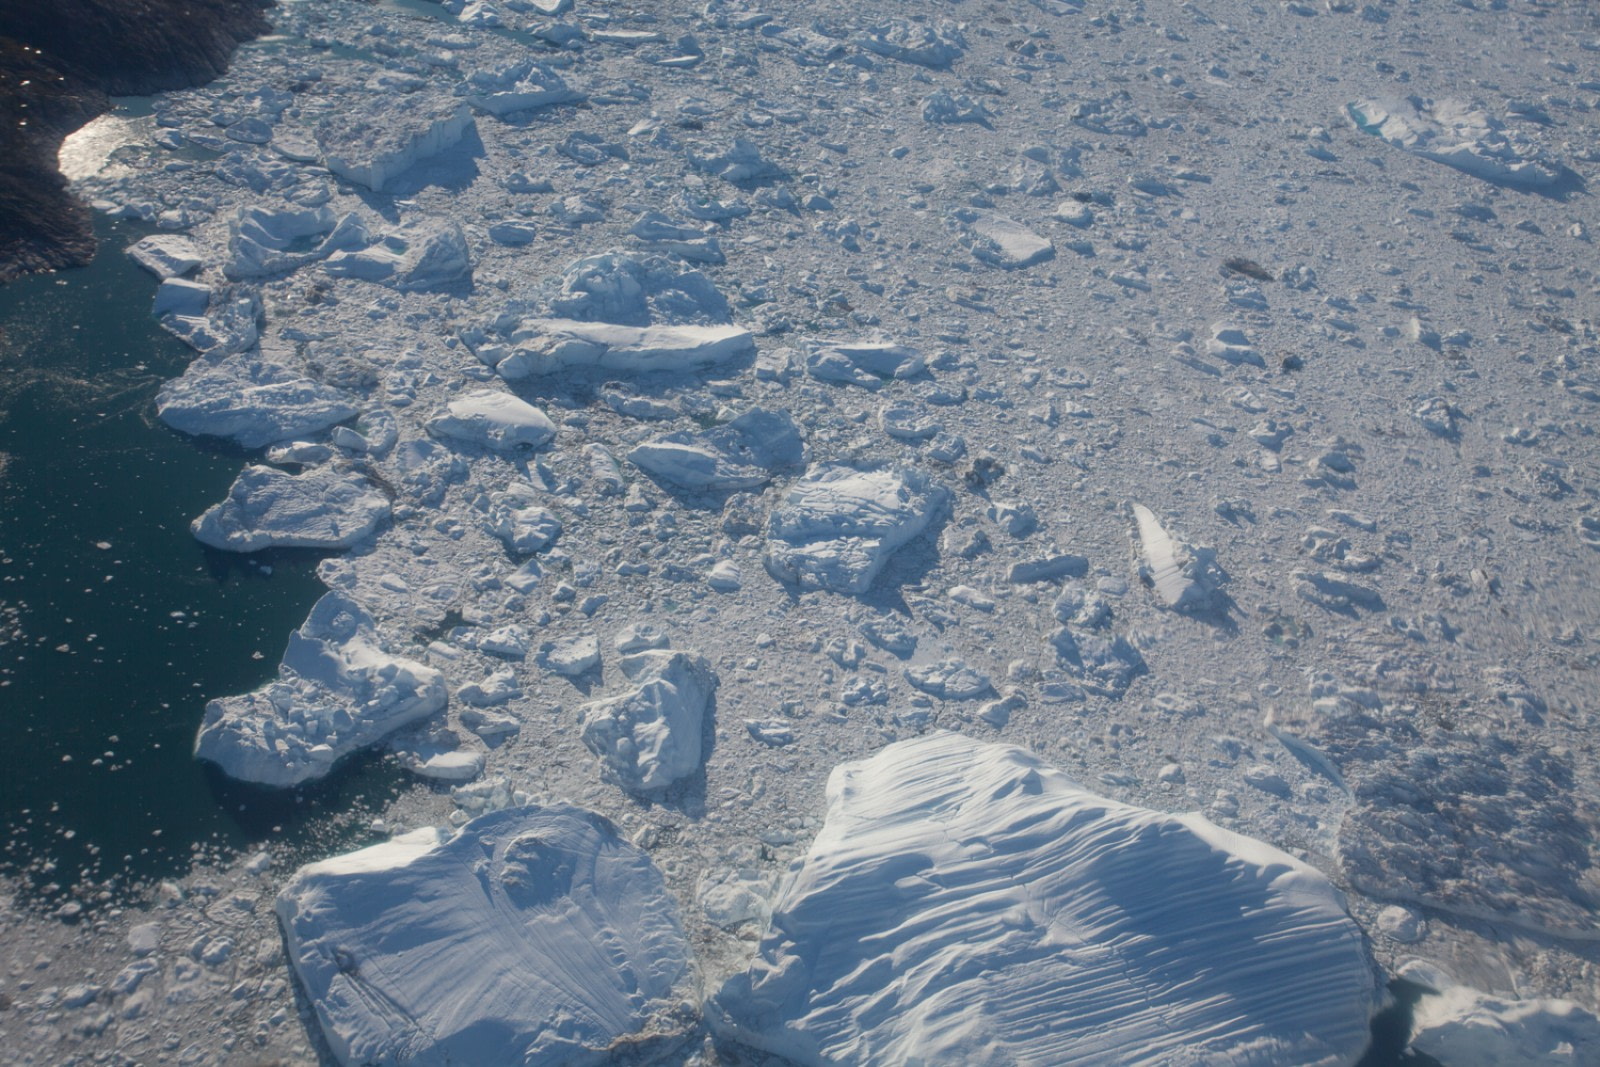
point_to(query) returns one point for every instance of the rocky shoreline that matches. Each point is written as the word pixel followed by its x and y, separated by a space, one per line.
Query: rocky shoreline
pixel 60 64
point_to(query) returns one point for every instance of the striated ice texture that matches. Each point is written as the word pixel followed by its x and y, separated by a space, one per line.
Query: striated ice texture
pixel 967 903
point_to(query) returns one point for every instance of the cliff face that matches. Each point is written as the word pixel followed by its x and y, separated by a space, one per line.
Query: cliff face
pixel 60 62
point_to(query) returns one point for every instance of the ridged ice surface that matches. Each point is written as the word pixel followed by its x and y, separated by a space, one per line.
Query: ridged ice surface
pixel 533 936
pixel 966 903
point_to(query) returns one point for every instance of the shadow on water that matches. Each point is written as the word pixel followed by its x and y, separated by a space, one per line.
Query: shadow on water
pixel 115 628
pixel 1391 1029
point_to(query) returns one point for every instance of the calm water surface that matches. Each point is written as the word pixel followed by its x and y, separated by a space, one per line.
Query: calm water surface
pixel 115 624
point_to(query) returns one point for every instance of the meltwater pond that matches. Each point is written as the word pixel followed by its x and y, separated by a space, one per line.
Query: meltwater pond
pixel 115 624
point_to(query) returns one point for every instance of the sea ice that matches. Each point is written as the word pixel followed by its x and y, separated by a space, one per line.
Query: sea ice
pixel 418 257
pixel 838 525
pixel 967 903
pixel 337 691
pixel 533 935
pixel 267 508
pixel 166 255
pixel 1000 241
pixel 865 363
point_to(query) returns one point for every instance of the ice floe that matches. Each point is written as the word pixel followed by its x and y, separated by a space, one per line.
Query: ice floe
pixel 269 508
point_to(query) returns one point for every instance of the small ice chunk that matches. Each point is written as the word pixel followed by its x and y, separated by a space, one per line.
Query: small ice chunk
pixel 571 656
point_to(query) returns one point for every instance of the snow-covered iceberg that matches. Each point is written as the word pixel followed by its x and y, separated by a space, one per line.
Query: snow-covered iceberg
pixel 493 419
pixel 337 691
pixel 740 454
pixel 532 936
pixel 967 903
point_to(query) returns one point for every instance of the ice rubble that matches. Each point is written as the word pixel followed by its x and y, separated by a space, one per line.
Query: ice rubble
pixel 838 525
pixel 1459 135
pixel 533 935
pixel 967 903
pixel 652 735
pixel 268 508
pixel 337 691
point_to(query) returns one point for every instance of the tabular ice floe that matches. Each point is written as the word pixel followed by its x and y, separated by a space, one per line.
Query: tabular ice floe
pixel 268 508
pixel 337 691
pixel 533 935
pixel 967 903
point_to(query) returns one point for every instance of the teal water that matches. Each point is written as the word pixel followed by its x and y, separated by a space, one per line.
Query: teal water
pixel 115 624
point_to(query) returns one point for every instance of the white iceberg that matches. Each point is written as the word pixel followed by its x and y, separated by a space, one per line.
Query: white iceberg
pixel 967 903
pixel 390 133
pixel 1458 135
pixel 269 508
pixel 837 525
pixel 532 936
pixel 652 735
pixel 493 419
pixel 254 402
pixel 545 346
pixel 337 691
pixel 741 454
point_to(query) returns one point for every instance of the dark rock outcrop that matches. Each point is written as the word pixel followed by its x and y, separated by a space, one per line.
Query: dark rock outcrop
pixel 60 63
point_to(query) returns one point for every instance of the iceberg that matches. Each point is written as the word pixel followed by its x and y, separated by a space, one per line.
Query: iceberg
pixel 967 903
pixel 531 936
pixel 337 691
pixel 837 526
pixel 269 508
pixel 493 419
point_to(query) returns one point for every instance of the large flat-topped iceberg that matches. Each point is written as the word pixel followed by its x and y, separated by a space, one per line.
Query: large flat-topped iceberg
pixel 967 903
pixel 390 133
pixel 532 936
pixel 270 508
pixel 837 526
pixel 493 419
pixel 545 346
pixel 337 691
pixel 522 87
pixel 1458 135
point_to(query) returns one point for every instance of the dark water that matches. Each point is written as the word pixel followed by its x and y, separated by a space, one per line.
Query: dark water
pixel 115 624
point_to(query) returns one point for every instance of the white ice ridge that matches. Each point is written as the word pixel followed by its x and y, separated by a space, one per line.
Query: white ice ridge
pixel 532 936
pixel 337 691
pixel 270 508
pixel 1458 135
pixel 837 525
pixel 545 346
pixel 967 903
